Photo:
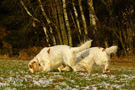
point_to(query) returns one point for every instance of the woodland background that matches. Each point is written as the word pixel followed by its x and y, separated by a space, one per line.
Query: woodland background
pixel 26 26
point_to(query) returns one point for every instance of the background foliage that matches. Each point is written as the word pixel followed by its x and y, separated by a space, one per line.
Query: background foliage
pixel 115 24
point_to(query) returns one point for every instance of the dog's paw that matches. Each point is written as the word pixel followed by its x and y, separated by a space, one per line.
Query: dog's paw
pixel 106 72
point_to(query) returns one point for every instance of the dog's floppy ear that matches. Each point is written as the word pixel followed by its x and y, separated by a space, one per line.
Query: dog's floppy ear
pixel 31 65
pixel 103 50
pixel 48 51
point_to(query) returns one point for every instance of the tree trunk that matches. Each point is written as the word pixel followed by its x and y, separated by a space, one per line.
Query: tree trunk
pixel 83 20
pixel 92 15
pixel 67 23
pixel 61 23
pixel 78 34
pixel 48 21
pixel 76 17
pixel 54 13
pixel 47 38
pixel 106 44
pixel 77 21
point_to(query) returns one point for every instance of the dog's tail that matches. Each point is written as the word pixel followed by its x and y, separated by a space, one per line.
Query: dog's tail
pixel 84 46
pixel 111 50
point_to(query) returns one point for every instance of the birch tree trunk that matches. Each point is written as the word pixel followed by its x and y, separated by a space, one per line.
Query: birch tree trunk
pixel 67 23
pixel 78 34
pixel 54 13
pixel 76 17
pixel 61 22
pixel 47 38
pixel 92 15
pixel 48 21
pixel 35 19
pixel 77 21
pixel 83 20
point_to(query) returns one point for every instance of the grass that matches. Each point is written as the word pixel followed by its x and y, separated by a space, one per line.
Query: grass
pixel 14 75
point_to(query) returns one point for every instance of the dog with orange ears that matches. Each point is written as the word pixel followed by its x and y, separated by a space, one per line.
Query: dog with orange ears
pixel 50 58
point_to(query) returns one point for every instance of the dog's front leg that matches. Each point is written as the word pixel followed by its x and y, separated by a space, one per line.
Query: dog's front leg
pixel 60 68
pixel 46 68
pixel 66 69
pixel 106 67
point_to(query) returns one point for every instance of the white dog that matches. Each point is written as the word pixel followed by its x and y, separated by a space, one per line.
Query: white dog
pixel 51 58
pixel 95 55
pixel 87 58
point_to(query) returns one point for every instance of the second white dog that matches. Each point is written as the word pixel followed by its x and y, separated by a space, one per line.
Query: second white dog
pixel 95 55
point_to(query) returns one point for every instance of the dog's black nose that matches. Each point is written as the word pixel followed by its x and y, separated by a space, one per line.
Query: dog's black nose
pixel 39 64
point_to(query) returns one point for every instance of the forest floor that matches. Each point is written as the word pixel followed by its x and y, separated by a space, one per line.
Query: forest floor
pixel 14 75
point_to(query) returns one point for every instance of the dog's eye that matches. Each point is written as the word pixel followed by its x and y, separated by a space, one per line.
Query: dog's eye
pixel 39 64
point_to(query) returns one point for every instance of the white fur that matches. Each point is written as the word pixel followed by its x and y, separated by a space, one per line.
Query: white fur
pixel 97 55
pixel 52 57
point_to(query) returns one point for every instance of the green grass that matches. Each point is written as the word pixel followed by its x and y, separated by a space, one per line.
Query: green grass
pixel 14 75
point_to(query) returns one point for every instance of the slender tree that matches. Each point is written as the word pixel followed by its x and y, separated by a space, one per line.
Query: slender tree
pixel 56 21
pixel 61 22
pixel 77 20
pixel 92 15
pixel 83 19
pixel 76 17
pixel 67 22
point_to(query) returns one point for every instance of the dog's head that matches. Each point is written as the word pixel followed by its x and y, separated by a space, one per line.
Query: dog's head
pixel 108 52
pixel 34 66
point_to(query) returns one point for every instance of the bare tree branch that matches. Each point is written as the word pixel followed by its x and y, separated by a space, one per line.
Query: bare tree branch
pixel 28 12
pixel 35 19
pixel 48 21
